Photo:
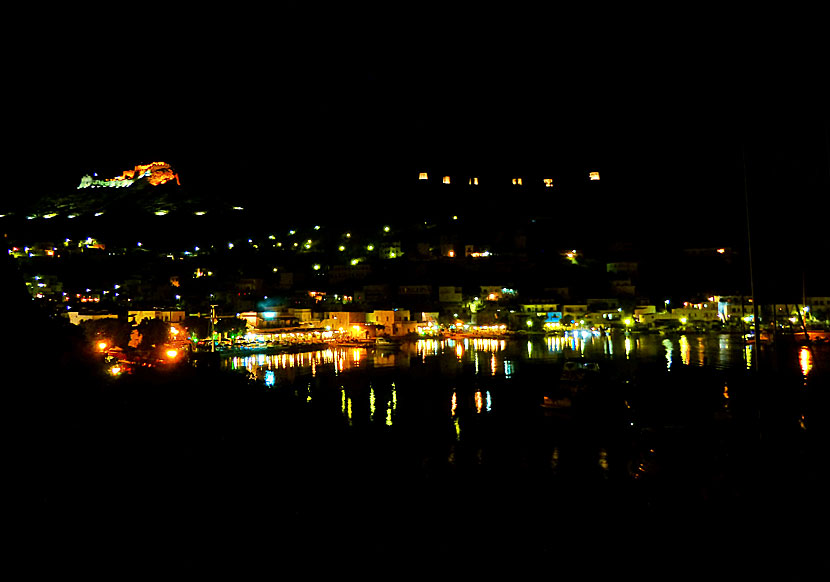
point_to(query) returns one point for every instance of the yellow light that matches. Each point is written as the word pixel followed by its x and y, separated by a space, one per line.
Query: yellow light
pixel 173 330
pixel 721 251
pixel 102 346
pixel 115 370
pixel 805 360
pixel 683 320
pixel 593 175
pixel 172 354
pixel 370 247
pixel 627 321
pixel 422 176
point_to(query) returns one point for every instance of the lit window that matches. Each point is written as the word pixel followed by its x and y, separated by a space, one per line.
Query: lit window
pixel 422 176
pixel 446 180
pixel 473 181
pixel 548 182
pixel 517 181
pixel 593 176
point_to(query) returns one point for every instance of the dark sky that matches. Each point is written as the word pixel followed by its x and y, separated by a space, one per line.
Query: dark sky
pixel 664 105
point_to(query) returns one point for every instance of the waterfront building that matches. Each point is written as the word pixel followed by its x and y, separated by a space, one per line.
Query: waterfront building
pixel 76 317
pixel 698 312
pixel 642 311
pixel 343 320
pixel 392 322
pixel 538 306
pixel 573 313
pixel 171 315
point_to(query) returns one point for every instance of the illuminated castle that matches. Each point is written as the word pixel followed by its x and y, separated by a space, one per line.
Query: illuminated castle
pixel 156 173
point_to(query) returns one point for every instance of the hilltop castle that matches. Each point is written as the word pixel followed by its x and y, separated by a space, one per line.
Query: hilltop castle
pixel 155 173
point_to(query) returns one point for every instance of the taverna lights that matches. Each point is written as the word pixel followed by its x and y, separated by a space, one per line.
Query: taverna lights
pixel 548 182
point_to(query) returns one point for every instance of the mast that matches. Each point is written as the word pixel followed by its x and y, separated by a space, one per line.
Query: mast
pixel 212 337
pixel 755 324
pixel 802 313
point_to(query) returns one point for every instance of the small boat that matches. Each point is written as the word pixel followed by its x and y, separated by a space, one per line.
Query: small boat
pixel 355 343
pixel 578 372
pixel 385 342
pixel 556 403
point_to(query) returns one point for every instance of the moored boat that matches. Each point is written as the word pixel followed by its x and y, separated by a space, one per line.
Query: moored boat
pixel 385 342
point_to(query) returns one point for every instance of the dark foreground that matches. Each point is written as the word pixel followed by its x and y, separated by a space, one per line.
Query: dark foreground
pixel 206 472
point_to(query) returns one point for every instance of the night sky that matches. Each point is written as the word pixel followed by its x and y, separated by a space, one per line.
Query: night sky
pixel 288 110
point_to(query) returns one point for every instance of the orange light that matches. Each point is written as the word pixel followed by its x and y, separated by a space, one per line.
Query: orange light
pixel 172 354
pixel 102 346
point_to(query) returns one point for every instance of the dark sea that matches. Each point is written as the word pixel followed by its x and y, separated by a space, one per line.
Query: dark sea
pixel 683 452
pixel 677 458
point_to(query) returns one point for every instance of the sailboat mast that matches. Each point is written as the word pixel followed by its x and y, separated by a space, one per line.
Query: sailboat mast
pixel 756 327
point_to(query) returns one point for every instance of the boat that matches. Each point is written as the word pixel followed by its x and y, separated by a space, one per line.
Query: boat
pixel 353 343
pixel 578 373
pixel 385 342
pixel 556 403
pixel 812 335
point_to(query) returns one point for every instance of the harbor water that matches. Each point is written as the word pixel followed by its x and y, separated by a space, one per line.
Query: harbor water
pixel 684 442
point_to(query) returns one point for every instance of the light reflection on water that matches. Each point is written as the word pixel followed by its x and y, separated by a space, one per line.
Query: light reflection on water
pixel 499 357
pixel 460 398
pixel 805 360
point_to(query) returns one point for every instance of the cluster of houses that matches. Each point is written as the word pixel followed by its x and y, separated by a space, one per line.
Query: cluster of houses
pixel 494 311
